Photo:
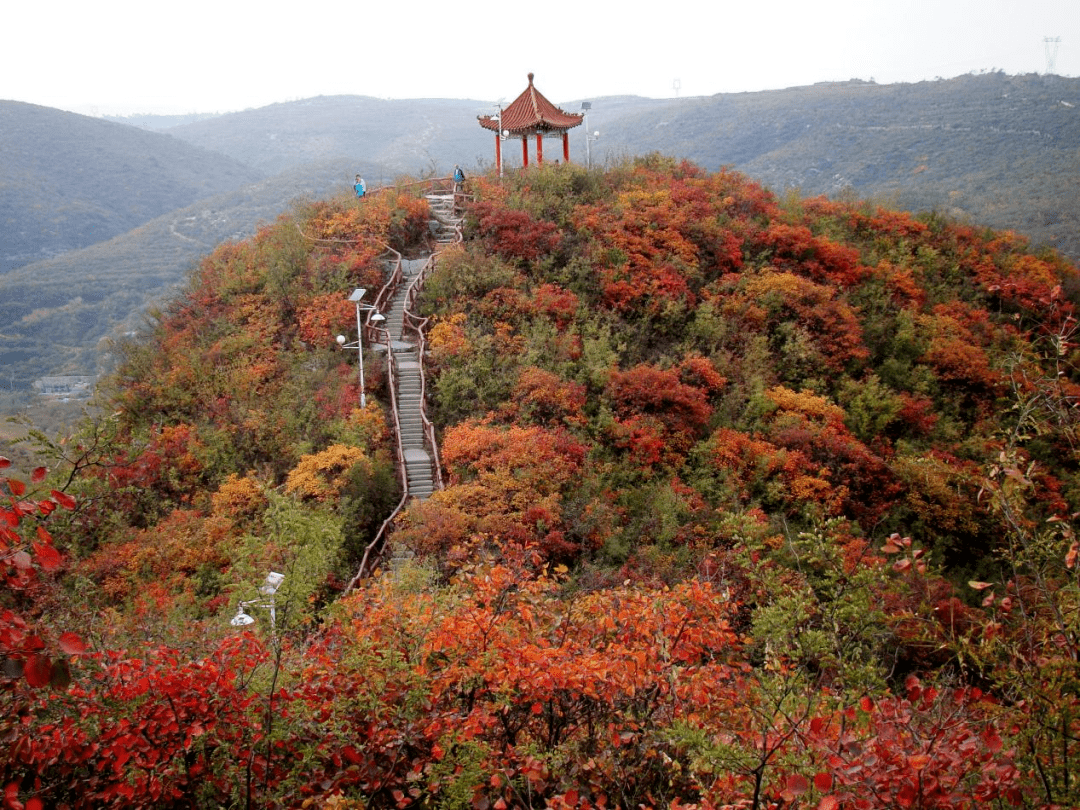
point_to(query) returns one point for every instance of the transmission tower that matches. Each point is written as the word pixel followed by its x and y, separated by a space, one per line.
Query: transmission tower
pixel 1051 44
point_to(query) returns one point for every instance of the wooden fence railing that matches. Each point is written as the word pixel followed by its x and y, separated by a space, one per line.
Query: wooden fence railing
pixel 417 325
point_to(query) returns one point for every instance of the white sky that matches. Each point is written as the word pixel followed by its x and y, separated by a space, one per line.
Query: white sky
pixel 128 56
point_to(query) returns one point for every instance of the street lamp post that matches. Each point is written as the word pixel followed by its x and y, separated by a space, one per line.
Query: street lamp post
pixel 589 136
pixel 500 136
pixel 355 297
pixel 268 588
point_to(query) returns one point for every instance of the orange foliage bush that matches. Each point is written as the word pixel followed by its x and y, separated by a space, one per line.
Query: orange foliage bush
pixel 796 249
pixel 514 234
pixel 238 498
pixel 646 389
pixel 557 303
pixel 322 317
pixel 831 322
pixel 542 396
pixel 862 485
pixel 520 459
pixel 955 352
pixel 505 488
pixel 167 555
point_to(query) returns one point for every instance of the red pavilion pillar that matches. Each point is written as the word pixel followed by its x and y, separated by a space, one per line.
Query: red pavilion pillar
pixel 524 150
pixel 566 147
pixel 498 152
pixel 539 147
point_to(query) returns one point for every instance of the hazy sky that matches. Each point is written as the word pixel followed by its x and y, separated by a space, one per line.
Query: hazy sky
pixel 125 56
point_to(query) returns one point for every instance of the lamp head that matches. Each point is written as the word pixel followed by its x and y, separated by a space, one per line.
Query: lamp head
pixel 340 340
pixel 272 583
pixel 241 619
pixel 378 318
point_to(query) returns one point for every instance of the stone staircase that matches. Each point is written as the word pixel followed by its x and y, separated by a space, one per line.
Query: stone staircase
pixel 418 462
pixel 445 224
pixel 418 467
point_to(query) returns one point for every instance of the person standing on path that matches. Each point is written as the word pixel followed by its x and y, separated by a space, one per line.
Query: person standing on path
pixel 361 187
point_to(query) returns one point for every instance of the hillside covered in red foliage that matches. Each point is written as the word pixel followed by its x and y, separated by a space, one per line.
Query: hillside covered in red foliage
pixel 751 502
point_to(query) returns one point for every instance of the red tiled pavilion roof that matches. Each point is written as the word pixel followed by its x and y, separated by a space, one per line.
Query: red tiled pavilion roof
pixel 531 112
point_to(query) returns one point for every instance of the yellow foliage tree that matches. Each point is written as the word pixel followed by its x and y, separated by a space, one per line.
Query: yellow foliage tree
pixel 322 476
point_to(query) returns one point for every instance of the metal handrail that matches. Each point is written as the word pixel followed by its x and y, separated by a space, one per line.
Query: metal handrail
pixel 380 536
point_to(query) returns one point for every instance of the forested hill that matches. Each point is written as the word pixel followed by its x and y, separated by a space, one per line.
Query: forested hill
pixel 995 150
pixel 751 502
pixel 69 181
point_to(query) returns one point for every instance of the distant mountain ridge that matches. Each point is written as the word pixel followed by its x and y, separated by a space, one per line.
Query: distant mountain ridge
pixel 398 136
pixel 68 181
pixel 1001 151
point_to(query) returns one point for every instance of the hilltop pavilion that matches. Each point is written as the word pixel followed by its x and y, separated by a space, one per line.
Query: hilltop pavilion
pixel 531 114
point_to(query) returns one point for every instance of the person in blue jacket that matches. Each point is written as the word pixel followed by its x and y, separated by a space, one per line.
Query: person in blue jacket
pixel 361 187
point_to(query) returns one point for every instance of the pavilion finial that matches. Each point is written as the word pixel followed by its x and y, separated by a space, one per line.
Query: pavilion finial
pixel 530 78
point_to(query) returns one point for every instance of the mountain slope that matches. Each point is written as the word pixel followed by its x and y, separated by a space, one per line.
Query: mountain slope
pixel 56 313
pixel 68 181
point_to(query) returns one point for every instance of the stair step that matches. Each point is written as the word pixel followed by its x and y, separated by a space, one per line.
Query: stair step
pixel 409 391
